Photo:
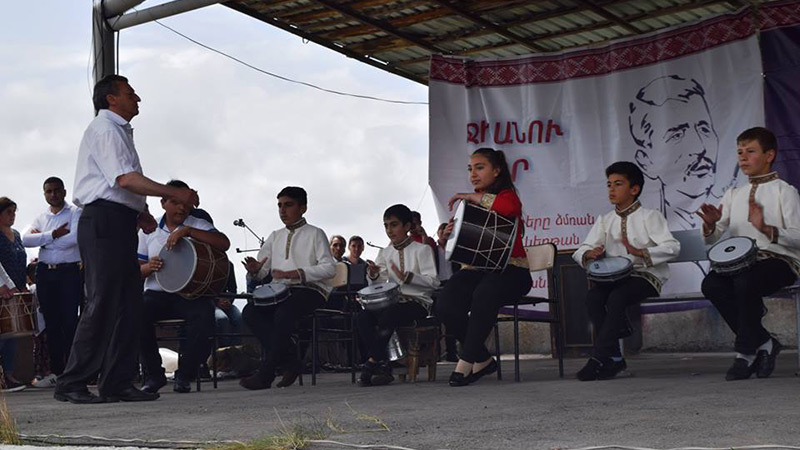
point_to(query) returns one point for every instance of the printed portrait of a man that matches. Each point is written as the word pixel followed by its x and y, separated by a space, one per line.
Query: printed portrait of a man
pixel 676 144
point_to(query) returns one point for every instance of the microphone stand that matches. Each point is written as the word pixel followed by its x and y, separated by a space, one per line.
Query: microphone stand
pixel 240 223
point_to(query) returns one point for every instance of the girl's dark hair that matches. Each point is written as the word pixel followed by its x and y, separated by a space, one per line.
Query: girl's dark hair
pixel 498 160
pixel 6 203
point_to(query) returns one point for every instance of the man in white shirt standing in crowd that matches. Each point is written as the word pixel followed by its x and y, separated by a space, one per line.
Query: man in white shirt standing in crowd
pixel 111 189
pixel 59 281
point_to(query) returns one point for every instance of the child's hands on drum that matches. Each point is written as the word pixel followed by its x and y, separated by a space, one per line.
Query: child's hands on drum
pixel 252 265
pixel 154 265
pixel 472 197
pixel 400 274
pixel 710 215
pixel 595 253
pixel 285 274
pixel 444 233
pixel 176 236
pixel 373 269
pixel 630 248
pixel 6 293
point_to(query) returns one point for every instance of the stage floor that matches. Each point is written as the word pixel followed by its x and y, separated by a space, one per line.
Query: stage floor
pixel 669 401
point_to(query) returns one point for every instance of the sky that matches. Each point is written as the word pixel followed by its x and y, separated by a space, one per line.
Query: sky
pixel 233 134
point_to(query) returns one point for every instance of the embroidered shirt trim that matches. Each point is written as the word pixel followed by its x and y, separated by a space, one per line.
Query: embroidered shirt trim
pixel 487 200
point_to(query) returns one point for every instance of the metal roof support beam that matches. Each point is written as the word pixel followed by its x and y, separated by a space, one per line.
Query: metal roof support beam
pixel 608 15
pixel 112 8
pixel 502 31
pixel 381 25
pixel 158 12
pixel 327 44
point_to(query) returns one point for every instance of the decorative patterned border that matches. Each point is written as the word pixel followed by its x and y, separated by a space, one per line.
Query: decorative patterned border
pixel 779 14
pixel 636 52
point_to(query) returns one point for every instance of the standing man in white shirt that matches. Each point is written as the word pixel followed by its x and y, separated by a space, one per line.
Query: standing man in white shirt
pixel 59 279
pixel 111 189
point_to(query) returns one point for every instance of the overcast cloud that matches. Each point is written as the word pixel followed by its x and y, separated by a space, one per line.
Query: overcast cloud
pixel 235 135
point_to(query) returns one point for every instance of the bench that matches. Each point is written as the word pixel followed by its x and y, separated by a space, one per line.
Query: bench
pixel 694 249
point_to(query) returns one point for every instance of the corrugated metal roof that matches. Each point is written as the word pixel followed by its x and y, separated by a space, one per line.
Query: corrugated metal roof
pixel 400 35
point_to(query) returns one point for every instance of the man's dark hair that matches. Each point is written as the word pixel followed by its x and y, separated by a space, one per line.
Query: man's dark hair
pixel 53 180
pixel 108 85
pixel 6 203
pixel 630 171
pixel 401 212
pixel 355 238
pixel 416 215
pixel 766 139
pixel 296 193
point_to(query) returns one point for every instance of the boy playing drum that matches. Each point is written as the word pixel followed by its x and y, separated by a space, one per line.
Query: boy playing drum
pixel 409 265
pixel 638 234
pixel 768 211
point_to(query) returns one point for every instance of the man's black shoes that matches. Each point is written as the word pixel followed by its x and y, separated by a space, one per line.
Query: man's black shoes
pixel 83 397
pixel 765 361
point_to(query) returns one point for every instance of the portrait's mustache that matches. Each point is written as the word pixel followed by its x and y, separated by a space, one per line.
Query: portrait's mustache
pixel 700 167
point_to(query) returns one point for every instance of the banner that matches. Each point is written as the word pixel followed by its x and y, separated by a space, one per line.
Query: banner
pixel 673 102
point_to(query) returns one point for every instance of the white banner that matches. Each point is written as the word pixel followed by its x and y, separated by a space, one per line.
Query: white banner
pixel 672 102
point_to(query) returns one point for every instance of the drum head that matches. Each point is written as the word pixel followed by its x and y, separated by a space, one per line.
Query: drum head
pixel 271 290
pixel 179 266
pixel 458 220
pixel 730 249
pixel 609 266
pixel 377 289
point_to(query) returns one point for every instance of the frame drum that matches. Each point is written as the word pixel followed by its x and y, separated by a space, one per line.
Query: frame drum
pixel 609 269
pixel 17 315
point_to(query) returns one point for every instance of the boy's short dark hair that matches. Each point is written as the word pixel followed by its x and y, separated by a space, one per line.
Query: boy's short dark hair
pixel 53 180
pixel 416 215
pixel 30 271
pixel 400 211
pixel 296 193
pixel 766 139
pixel 108 85
pixel 176 184
pixel 355 238
pixel 630 171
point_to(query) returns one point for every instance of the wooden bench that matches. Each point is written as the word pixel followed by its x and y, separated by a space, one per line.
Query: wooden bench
pixel 694 249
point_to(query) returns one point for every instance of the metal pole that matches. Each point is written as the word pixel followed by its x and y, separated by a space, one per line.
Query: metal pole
pixel 114 8
pixel 158 12
pixel 102 43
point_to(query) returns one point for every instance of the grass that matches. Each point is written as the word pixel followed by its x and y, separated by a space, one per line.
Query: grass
pixel 8 426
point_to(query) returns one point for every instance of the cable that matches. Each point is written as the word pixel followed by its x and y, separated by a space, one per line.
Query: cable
pixel 330 91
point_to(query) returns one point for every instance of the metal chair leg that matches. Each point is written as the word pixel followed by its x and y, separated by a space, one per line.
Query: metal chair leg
pixel 497 350
pixel 516 343
pixel 314 350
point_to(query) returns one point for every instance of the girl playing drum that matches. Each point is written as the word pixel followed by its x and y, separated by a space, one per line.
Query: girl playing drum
pixel 471 299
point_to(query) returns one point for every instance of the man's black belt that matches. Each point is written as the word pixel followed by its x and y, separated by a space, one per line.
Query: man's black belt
pixel 61 266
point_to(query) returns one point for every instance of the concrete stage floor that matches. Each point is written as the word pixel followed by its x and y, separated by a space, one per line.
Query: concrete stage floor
pixel 669 401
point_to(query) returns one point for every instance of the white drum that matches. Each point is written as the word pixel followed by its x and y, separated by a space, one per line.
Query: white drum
pixel 379 296
pixel 609 269
pixel 732 255
pixel 269 294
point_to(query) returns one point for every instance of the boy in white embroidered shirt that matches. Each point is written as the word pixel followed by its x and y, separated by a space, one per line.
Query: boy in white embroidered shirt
pixel 411 266
pixel 767 210
pixel 638 234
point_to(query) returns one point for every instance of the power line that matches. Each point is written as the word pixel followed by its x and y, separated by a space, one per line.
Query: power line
pixel 265 72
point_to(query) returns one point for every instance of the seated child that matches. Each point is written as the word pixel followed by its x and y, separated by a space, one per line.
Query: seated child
pixel 638 234
pixel 411 266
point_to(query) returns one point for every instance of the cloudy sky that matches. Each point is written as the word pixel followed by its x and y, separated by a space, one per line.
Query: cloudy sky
pixel 235 135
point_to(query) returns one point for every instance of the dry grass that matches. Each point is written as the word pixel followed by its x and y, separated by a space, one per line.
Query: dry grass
pixel 8 426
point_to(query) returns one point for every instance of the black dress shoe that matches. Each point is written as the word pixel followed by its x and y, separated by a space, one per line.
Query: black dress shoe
pixel 458 379
pixel 591 370
pixel 181 386
pixel 79 397
pixel 610 369
pixel 740 370
pixel 382 374
pixel 151 386
pixel 131 394
pixel 765 362
pixel 290 374
pixel 489 369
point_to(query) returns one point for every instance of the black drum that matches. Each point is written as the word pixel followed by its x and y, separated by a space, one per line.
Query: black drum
pixel 481 238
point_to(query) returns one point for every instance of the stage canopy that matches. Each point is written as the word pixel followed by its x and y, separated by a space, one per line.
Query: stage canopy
pixel 399 36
